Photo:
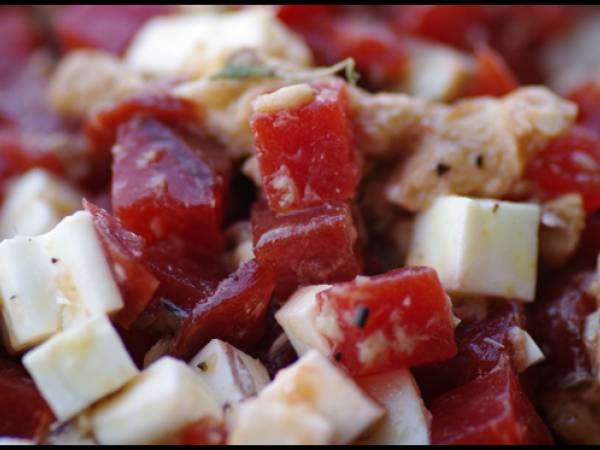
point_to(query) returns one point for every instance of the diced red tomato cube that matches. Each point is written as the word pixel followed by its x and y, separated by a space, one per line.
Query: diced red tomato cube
pixel 492 75
pixel 235 312
pixel 482 343
pixel 108 27
pixel 23 411
pixel 569 164
pixel 307 155
pixel 124 250
pixel 587 98
pixel 491 409
pixel 101 128
pixel 394 320
pixel 167 187
pixel 183 281
pixel 313 245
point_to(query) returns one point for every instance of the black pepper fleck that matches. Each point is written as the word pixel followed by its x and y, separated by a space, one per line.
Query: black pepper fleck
pixel 202 366
pixel 441 169
pixel 495 208
pixel 13 297
pixel 337 356
pixel 479 161
pixel 54 260
pixel 362 314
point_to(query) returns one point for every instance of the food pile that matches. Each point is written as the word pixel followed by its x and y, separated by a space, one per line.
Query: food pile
pixel 299 224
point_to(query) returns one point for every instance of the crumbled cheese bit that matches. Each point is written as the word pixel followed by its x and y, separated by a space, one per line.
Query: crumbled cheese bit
pixel 285 99
pixel 526 352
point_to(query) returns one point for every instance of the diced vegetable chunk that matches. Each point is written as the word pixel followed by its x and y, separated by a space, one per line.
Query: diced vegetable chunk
pixel 490 410
pixel 394 320
pixel 79 366
pixel 235 312
pixel 165 186
pixel 482 343
pixel 313 245
pixel 492 75
pixel 123 250
pixel 109 27
pixel 479 246
pixel 306 154
pixel 569 164
pixel 23 411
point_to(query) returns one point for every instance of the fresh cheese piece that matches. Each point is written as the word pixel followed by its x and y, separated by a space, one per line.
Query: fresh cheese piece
pixel 52 281
pixel 316 382
pixel 407 421
pixel 479 246
pixel 261 422
pixel 35 202
pixel 199 44
pixel 298 318
pixel 526 352
pixel 79 366
pixel 157 404
pixel 6 440
pixel 436 72
pixel 232 374
pixel 591 335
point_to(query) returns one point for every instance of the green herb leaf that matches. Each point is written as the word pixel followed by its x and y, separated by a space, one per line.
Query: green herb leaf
pixel 347 65
pixel 245 71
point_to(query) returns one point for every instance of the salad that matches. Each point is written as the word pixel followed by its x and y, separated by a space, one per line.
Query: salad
pixel 299 224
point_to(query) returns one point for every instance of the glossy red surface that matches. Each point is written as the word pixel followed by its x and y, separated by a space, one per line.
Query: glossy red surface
pixel 394 320
pixel 313 245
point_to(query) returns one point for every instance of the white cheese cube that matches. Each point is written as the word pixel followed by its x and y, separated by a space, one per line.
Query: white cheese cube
pixel 232 374
pixel 436 72
pixel 162 400
pixel 315 381
pixel 298 318
pixel 79 366
pixel 261 422
pixel 407 421
pixel 5 440
pixel 35 202
pixel 52 281
pixel 479 246
pixel 197 44
pixel 526 352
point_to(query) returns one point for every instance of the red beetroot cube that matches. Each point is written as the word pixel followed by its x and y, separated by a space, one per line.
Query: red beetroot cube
pixel 482 344
pixel 394 320
pixel 492 409
pixel 167 187
pixel 23 411
pixel 235 312
pixel 184 282
pixel 124 251
pixel 307 155
pixel 313 245
pixel 101 127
